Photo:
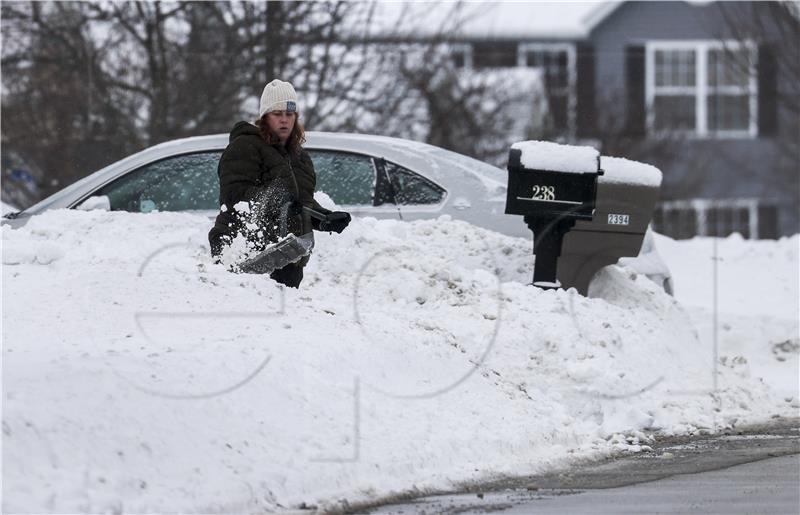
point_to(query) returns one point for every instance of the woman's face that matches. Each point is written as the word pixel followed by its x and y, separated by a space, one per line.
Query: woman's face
pixel 281 123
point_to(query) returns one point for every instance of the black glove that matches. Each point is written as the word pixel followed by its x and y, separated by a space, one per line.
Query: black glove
pixel 335 221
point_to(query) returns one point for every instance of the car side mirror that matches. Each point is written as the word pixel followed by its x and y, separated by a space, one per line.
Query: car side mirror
pixel 101 202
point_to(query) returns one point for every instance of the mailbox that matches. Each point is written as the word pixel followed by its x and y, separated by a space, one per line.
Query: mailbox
pixel 626 196
pixel 585 211
pixel 552 186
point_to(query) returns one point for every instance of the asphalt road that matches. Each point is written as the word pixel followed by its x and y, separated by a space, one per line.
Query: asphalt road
pixel 753 471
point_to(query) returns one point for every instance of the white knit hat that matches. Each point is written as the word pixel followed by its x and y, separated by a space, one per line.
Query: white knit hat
pixel 278 96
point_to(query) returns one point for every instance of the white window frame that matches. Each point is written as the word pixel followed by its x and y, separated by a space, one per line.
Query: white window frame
pixel 699 209
pixel 466 50
pixel 700 90
pixel 572 99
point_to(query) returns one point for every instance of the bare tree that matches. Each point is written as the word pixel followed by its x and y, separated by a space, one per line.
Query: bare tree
pixel 777 26
pixel 86 83
pixel 774 30
pixel 417 90
pixel 57 116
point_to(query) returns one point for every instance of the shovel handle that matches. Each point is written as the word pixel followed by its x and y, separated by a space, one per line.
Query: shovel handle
pixel 284 216
pixel 319 215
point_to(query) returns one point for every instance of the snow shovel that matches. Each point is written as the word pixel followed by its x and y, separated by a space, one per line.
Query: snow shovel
pixel 289 249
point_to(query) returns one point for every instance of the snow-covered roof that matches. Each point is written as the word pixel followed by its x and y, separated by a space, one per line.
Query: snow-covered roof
pixel 596 16
pixel 493 20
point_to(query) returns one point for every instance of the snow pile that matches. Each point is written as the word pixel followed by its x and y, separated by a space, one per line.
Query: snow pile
pixel 546 155
pixel 757 302
pixel 624 171
pixel 140 377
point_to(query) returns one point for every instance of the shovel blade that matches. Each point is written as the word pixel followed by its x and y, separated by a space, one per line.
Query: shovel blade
pixel 287 251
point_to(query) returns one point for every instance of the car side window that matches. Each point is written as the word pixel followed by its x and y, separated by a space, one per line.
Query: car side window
pixel 181 183
pixel 349 179
pixel 410 188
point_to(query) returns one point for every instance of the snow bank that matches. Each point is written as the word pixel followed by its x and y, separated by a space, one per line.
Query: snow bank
pixel 140 377
pixel 757 302
pixel 546 155
pixel 625 171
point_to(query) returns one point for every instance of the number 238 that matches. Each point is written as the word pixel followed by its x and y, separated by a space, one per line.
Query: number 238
pixel 544 192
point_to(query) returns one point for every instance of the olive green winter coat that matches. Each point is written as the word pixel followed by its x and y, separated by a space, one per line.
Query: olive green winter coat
pixel 256 180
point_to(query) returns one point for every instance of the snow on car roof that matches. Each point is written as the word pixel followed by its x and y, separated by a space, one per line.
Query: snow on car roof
pixel 546 155
pixel 625 171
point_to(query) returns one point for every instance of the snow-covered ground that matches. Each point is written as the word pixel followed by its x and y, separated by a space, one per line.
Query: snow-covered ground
pixel 139 377
pixel 757 298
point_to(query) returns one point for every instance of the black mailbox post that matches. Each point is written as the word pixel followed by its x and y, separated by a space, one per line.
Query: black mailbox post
pixel 551 201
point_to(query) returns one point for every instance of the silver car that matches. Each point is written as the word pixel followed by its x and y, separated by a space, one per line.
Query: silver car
pixel 366 175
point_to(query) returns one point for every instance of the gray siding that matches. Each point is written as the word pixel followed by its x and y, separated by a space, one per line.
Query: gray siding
pixel 710 168
pixel 636 22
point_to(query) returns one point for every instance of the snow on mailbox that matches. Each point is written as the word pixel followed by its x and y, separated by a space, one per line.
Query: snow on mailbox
pixel 552 186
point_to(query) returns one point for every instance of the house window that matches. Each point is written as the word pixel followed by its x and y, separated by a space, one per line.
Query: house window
pixel 705 88
pixel 752 218
pixel 494 54
pixel 461 55
pixel 675 89
pixel 729 94
pixel 557 62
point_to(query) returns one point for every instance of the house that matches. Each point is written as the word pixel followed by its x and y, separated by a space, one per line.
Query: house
pixel 701 90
